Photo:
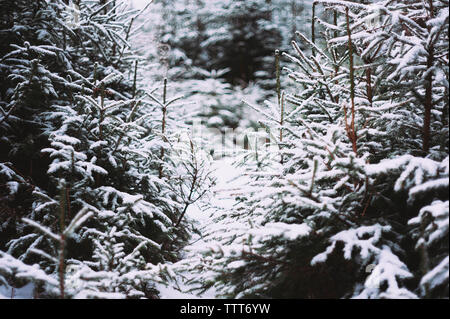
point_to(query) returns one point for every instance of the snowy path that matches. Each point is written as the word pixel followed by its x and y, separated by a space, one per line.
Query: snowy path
pixel 227 181
pixel 26 292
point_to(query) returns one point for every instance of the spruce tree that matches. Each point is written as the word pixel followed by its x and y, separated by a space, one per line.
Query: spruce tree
pixel 91 181
pixel 336 207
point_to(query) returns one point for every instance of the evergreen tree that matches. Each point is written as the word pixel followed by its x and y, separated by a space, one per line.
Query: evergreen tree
pixel 103 180
pixel 344 185
pixel 337 207
pixel 220 34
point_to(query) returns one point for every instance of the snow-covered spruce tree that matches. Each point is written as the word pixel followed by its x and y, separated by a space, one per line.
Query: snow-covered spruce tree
pixel 407 46
pixel 28 64
pixel 35 69
pixel 402 41
pixel 291 16
pixel 39 56
pixel 138 188
pixel 215 100
pixel 219 103
pixel 104 152
pixel 412 38
pixel 339 210
pixel 241 36
pixel 13 270
pixel 181 25
pixel 220 34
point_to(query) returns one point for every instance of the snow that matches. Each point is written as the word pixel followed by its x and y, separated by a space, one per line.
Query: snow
pixel 10 266
pixel 140 4
pixel 353 240
pixel 434 219
pixel 427 186
pixel 42 229
pixel 229 179
pixel 25 292
pixel 276 198
pixel 388 269
pixel 437 276
pixel 288 231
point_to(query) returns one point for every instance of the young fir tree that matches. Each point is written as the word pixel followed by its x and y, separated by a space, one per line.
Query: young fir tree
pixel 215 100
pixel 104 151
pixel 218 35
pixel 349 203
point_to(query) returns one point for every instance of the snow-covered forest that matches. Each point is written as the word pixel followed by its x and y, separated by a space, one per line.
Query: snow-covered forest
pixel 224 149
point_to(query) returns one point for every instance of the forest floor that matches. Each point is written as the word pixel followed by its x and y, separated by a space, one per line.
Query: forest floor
pixel 229 179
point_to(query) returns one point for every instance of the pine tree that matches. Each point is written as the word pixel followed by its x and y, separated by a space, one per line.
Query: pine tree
pixel 107 183
pixel 340 208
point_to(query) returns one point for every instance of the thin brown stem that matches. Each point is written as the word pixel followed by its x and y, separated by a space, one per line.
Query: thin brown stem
pixel 351 130
pixel 313 21
pixel 62 241
pixel 163 129
pixel 135 78
pixel 102 111
pixel 428 91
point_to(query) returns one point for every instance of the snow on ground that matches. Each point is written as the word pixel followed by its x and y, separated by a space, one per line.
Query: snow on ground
pixel 26 292
pixel 228 179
